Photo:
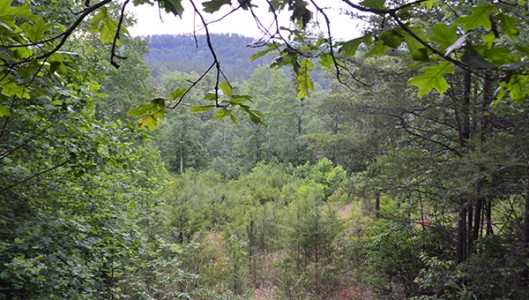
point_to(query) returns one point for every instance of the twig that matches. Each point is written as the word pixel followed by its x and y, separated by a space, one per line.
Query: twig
pixel 33 176
pixel 193 85
pixel 216 62
pixel 116 37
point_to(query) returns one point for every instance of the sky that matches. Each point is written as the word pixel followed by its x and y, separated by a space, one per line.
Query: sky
pixel 151 21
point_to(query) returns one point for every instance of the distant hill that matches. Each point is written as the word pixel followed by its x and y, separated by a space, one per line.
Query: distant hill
pixel 170 53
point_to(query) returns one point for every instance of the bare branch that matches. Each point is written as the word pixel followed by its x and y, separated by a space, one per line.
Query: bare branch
pixel 34 176
pixel 193 83
pixel 216 62
pixel 116 37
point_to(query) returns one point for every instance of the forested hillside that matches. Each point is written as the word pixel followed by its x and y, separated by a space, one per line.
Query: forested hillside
pixel 147 168
pixel 188 53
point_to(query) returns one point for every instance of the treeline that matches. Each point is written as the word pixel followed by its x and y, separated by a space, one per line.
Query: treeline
pixel 188 53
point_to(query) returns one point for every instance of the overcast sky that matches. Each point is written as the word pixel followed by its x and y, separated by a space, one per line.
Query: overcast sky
pixel 151 21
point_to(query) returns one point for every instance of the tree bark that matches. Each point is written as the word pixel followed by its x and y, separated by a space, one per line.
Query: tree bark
pixel 464 136
pixel 461 233
pixel 524 276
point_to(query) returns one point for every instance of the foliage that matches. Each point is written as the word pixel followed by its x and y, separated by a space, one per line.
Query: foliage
pixel 393 247
pixel 88 210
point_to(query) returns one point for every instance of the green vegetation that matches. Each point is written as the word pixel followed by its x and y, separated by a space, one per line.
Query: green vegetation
pixel 401 173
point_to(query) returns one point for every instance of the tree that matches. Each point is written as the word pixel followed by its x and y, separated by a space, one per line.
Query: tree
pixel 126 87
pixel 78 195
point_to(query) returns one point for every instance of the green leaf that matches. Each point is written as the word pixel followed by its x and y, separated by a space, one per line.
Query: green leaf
pixel 97 18
pixel 12 89
pixel 498 95
pixel 500 56
pixel 210 97
pixel 379 49
pixel 518 87
pixel 214 5
pixel 36 31
pixel 8 13
pixel 349 48
pixel 478 18
pixel 108 30
pixel 22 52
pixel 5 29
pixel 444 35
pixel 256 117
pixel 300 14
pixel 472 59
pixel 150 121
pixel 238 99
pixel 4 111
pixel 376 4
pixel 59 67
pixel 105 25
pixel 178 93
pixel 140 110
pixel 508 25
pixel 94 86
pixel 305 82
pixel 204 108
pixel 432 78
pixel 172 6
pixel 225 87
pixel 429 3
pixel 489 39
pixel 261 53
pixel 417 50
pixel 222 113
pixel 391 38
pixel 326 61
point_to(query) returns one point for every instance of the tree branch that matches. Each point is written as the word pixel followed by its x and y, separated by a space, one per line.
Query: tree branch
pixel 116 37
pixel 33 176
pixel 65 35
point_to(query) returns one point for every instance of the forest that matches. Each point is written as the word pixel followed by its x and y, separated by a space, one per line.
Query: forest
pixel 295 166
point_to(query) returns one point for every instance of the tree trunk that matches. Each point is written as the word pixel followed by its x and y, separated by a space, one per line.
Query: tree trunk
pixel 469 233
pixel 483 132
pixel 377 204
pixel 477 218
pixel 464 136
pixel 525 237
pixel 461 233
pixel 181 161
pixel 488 213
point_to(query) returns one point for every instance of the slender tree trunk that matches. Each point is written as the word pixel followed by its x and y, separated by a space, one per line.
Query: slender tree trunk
pixel 408 217
pixel 377 204
pixel 461 233
pixel 483 132
pixel 335 132
pixel 464 136
pixel 525 224
pixel 181 161
pixel 488 213
pixel 524 276
pixel 464 130
pixel 469 233
pixel 477 217
pixel 224 134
